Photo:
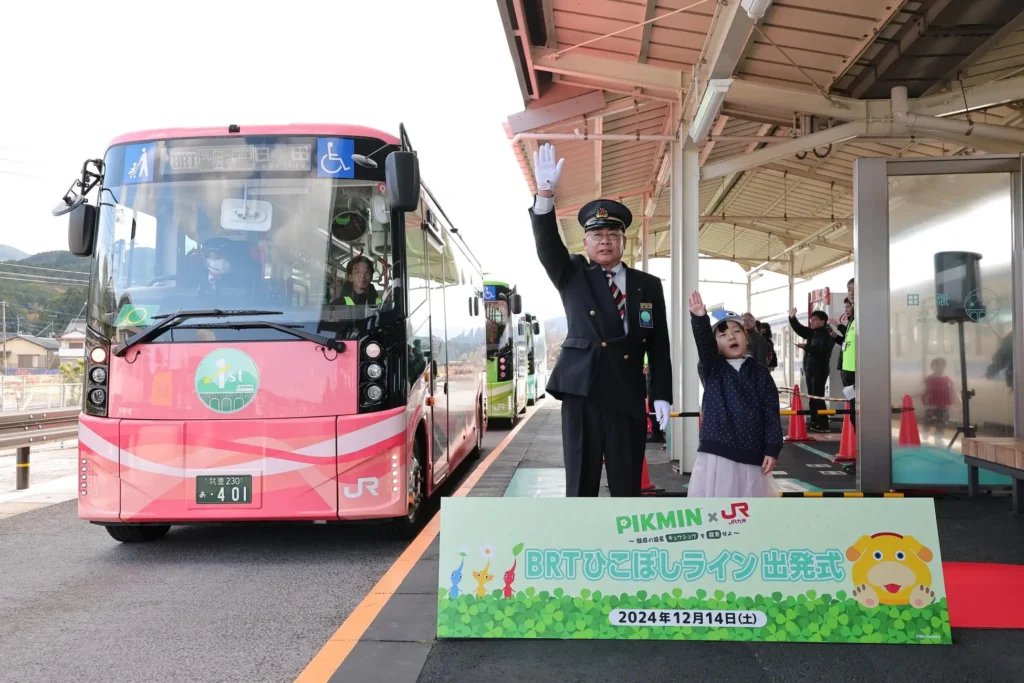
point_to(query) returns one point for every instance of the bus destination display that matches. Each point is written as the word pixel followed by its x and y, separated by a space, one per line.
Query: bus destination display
pixel 238 158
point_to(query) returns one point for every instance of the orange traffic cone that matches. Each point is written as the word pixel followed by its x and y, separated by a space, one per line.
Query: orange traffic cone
pixel 797 426
pixel 645 479
pixel 909 434
pixel 848 441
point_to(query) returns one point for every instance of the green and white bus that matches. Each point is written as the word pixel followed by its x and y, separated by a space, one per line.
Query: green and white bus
pixel 506 352
pixel 536 358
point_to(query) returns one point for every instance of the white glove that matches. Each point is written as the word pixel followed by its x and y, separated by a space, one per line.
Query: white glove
pixel 661 411
pixel 546 170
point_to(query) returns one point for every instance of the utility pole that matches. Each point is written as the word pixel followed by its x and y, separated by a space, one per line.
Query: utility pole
pixel 3 306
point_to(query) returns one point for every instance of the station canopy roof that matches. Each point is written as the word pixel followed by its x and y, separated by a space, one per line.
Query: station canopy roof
pixel 807 67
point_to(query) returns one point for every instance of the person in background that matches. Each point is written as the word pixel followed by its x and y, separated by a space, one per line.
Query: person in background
pixel 817 359
pixel 939 395
pixel 771 358
pixel 358 290
pixel 848 360
pixel 757 346
pixel 740 433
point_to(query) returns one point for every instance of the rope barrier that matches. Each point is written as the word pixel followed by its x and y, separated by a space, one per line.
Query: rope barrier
pixel 781 412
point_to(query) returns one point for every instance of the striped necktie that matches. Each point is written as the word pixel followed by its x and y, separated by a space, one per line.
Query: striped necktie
pixel 617 296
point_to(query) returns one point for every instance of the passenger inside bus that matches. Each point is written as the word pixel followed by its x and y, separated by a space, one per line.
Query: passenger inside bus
pixel 358 290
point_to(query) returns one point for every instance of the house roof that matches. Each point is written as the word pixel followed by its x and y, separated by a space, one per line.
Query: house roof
pixel 48 343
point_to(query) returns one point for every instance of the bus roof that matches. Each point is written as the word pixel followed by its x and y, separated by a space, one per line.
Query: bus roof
pixel 497 283
pixel 305 129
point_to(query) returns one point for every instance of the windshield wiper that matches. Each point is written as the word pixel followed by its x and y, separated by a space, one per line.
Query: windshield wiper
pixel 172 320
pixel 294 330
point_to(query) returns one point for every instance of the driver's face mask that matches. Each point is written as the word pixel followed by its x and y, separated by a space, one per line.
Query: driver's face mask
pixel 217 266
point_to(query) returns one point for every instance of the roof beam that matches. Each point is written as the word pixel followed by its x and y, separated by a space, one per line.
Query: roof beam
pixel 978 97
pixel 781 151
pixel 540 116
pixel 896 48
pixel 598 157
pixel 808 175
pixel 524 38
pixel 993 42
pixel 586 66
pixel 645 39
pixel 758 96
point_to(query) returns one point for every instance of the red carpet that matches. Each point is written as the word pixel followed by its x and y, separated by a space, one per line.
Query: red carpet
pixel 984 595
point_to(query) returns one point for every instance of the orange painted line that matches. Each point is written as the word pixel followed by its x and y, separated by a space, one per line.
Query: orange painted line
pixel 333 654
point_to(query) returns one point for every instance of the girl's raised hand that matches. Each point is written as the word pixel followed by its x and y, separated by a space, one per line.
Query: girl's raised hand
pixel 697 305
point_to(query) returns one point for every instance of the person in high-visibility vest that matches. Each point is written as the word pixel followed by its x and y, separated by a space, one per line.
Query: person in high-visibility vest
pixel 849 358
pixel 358 290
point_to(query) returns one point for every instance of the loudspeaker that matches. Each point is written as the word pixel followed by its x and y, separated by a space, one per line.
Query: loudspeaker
pixel 958 287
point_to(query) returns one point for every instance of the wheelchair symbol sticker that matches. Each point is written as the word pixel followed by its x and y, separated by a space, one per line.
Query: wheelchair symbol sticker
pixel 334 158
pixel 490 293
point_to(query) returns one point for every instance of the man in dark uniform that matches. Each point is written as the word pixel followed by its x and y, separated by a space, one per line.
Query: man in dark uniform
pixel 615 315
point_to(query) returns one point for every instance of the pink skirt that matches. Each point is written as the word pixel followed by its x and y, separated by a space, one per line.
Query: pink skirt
pixel 717 477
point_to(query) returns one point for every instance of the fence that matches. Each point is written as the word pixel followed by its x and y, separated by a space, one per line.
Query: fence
pixel 38 392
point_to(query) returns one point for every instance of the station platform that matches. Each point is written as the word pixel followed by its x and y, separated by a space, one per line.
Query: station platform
pixel 397 639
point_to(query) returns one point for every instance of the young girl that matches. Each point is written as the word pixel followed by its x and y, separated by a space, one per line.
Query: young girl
pixel 740 433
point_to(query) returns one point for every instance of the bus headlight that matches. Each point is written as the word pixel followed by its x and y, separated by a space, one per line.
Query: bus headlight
pixel 374 371
pixel 372 350
pixel 97 397
pixel 374 392
pixel 98 375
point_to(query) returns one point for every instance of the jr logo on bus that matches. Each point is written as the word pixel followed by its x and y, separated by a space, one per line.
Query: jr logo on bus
pixel 227 381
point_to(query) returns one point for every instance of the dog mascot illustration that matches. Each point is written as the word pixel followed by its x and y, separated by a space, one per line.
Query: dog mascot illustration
pixel 891 569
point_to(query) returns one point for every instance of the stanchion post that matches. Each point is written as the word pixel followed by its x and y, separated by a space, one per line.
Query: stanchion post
pixel 21 466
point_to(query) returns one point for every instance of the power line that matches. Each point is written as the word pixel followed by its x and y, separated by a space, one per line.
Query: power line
pixel 4 264
pixel 44 278
pixel 76 283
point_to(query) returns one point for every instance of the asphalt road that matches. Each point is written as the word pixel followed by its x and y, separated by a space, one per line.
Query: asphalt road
pixel 204 604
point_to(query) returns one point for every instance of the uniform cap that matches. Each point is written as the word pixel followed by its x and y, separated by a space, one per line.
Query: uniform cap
pixel 604 213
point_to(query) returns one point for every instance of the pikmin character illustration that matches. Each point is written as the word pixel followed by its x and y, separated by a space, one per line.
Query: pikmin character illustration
pixel 891 569
pixel 455 591
pixel 510 575
pixel 484 576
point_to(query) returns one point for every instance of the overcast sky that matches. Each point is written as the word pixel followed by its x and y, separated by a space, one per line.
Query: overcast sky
pixel 442 67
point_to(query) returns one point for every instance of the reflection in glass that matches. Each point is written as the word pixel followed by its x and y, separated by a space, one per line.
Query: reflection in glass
pixel 929 215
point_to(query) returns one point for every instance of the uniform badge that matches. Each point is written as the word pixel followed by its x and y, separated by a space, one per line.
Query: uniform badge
pixel 601 213
pixel 646 315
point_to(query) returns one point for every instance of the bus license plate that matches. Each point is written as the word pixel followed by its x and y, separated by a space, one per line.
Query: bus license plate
pixel 226 490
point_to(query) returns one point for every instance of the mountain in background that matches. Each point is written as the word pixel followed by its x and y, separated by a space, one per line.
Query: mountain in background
pixel 44 292
pixel 10 253
pixel 556 327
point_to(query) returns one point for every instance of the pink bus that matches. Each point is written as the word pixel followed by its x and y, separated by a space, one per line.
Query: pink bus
pixel 283 325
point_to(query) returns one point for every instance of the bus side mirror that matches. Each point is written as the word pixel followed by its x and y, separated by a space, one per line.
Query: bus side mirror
pixel 471 307
pixel 433 368
pixel 82 230
pixel 536 328
pixel 517 304
pixel 402 175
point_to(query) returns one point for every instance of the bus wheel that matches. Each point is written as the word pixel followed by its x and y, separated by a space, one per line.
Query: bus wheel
pixel 138 534
pixel 405 528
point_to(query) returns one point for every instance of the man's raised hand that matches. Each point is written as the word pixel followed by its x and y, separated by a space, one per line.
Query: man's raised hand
pixel 546 170
pixel 697 306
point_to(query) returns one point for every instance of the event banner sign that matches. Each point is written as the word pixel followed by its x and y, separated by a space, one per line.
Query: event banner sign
pixel 863 570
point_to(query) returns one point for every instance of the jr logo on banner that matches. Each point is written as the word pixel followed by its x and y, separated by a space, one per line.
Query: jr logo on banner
pixel 849 571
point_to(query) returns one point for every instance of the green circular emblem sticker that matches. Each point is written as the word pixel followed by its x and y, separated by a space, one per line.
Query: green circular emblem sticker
pixel 227 381
pixel 645 316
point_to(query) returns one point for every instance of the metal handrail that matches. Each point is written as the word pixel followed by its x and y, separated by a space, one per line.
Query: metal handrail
pixel 24 430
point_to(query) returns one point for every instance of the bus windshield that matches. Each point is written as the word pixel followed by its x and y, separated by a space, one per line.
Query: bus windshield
pixel 499 332
pixel 317 252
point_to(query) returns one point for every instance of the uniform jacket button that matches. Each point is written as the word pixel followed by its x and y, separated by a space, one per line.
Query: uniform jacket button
pixel 593 313
pixel 625 357
pixel 604 343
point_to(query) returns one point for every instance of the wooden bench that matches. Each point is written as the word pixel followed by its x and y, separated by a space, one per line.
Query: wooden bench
pixel 1002 455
